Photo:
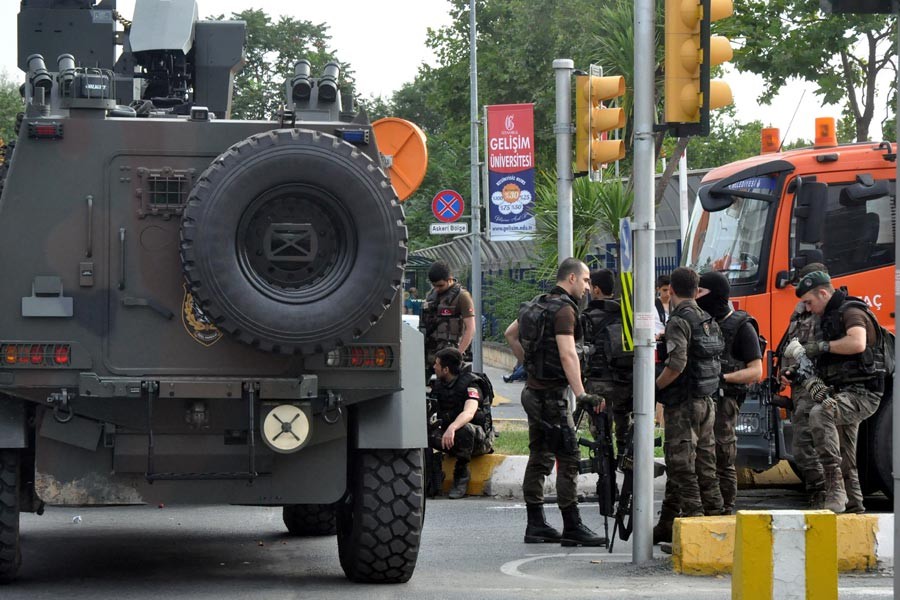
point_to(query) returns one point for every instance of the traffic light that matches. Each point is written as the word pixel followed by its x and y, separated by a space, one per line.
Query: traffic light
pixel 691 51
pixel 593 120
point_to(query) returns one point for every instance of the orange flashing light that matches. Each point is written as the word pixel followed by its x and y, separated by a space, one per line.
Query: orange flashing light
pixel 770 140
pixel 825 132
pixel 11 355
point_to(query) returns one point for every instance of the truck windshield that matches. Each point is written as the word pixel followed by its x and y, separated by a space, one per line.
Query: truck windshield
pixel 731 240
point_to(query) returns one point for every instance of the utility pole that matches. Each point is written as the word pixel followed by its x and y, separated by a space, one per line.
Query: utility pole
pixel 476 193
pixel 645 261
pixel 563 68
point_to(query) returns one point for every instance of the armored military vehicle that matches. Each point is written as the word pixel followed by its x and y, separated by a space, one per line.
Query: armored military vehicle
pixel 197 309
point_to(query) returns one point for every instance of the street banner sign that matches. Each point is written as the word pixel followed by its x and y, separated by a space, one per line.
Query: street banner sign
pixel 448 206
pixel 510 156
pixel 627 280
pixel 448 228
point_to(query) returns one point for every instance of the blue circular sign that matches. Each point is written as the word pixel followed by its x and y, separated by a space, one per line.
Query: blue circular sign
pixel 447 206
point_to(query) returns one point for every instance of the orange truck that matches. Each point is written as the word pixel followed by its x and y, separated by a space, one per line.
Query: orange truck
pixel 760 220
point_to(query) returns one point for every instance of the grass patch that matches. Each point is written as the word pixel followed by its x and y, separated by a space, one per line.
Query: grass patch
pixel 512 438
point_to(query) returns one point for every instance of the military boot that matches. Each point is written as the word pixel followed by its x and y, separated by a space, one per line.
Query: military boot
pixel 817 500
pixel 538 530
pixel 662 531
pixel 461 477
pixel 835 496
pixel 576 533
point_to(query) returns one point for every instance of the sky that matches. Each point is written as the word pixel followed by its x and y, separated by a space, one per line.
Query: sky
pixel 399 49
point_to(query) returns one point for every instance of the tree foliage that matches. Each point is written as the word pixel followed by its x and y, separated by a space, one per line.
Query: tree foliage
pixel 597 208
pixel 10 106
pixel 273 48
pixel 843 55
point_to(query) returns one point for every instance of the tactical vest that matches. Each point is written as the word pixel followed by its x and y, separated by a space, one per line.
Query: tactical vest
pixel 441 322
pixel 804 326
pixel 867 367
pixel 452 399
pixel 730 326
pixel 701 375
pixel 538 337
pixel 608 360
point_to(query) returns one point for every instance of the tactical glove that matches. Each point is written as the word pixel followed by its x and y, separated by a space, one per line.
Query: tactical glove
pixel 814 349
pixel 589 401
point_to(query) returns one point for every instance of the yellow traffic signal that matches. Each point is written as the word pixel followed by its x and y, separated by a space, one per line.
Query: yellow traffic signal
pixel 593 120
pixel 691 51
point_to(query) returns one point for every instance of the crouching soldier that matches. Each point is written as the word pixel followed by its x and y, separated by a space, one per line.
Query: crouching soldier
pixel 463 408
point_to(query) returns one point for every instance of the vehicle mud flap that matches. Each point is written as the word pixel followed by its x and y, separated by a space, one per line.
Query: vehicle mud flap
pixel 878 441
pixel 310 519
pixel 10 484
pixel 380 519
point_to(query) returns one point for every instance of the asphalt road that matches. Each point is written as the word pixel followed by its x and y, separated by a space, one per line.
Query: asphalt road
pixel 471 549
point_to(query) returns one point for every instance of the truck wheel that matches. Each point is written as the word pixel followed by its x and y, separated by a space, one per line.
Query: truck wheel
pixel 881 447
pixel 293 241
pixel 380 519
pixel 310 519
pixel 10 482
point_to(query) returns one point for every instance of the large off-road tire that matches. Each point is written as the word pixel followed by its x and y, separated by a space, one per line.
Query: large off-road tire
pixel 310 519
pixel 380 520
pixel 294 241
pixel 10 483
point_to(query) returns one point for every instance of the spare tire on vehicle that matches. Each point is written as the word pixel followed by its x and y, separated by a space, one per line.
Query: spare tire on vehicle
pixel 293 241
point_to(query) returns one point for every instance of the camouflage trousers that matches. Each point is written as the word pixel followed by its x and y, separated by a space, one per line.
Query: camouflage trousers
pixel 468 441
pixel 835 429
pixel 804 447
pixel 692 488
pixel 551 439
pixel 619 405
pixel 727 409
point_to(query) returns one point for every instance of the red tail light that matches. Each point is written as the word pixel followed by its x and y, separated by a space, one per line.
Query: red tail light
pixel 368 357
pixel 30 355
pixel 37 354
pixel 61 356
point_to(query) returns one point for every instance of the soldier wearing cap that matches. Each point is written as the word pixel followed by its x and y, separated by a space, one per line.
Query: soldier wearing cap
pixel 849 361
pixel 803 326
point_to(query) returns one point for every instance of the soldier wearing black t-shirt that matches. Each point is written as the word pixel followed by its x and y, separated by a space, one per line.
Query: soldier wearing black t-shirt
pixel 741 366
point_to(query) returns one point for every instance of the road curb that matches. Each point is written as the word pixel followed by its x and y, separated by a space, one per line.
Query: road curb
pixel 500 475
pixel 705 545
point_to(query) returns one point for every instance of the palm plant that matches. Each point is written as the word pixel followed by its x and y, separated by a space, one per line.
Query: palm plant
pixel 597 208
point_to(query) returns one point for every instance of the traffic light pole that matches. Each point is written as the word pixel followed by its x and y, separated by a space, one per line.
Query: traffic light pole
pixel 563 68
pixel 644 273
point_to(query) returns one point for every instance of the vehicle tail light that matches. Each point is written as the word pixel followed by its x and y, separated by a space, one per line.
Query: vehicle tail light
pixel 34 355
pixel 361 357
pixel 37 354
pixel 61 356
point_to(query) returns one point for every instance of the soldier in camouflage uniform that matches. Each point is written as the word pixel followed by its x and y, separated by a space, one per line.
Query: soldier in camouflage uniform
pixel 850 364
pixel 448 316
pixel 804 326
pixel 685 388
pixel 741 366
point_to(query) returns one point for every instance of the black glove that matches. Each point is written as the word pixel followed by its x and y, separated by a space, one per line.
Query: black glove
pixel 589 401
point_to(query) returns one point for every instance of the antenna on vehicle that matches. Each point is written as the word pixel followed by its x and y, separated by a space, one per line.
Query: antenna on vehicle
pixel 786 131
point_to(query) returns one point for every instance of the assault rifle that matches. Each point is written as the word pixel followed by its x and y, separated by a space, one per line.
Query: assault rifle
pixel 601 461
pixel 612 501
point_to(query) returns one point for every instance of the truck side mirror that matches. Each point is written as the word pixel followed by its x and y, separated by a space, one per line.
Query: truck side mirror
pixel 810 211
